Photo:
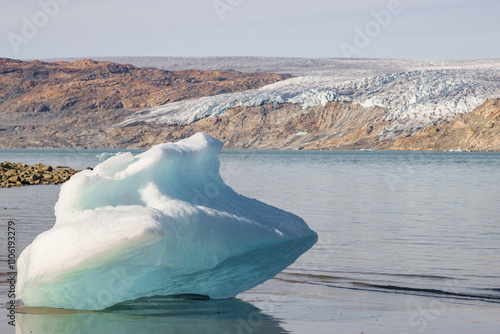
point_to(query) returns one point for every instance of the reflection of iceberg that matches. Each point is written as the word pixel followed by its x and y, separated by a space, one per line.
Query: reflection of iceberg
pixel 160 223
pixel 152 315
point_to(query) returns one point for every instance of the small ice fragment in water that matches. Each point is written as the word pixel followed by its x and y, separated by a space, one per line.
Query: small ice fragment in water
pixel 106 155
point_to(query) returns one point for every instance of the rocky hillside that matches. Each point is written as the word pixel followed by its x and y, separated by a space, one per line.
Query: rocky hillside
pixel 475 131
pixel 35 86
pixel 106 105
pixel 336 126
pixel 288 126
pixel 44 104
pixel 413 100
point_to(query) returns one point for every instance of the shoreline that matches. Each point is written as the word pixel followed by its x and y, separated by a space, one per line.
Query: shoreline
pixel 21 174
pixel 41 174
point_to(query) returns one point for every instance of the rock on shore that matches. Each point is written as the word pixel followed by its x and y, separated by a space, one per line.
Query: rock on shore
pixel 20 174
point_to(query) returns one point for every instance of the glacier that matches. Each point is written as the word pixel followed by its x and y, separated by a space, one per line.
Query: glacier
pixel 412 99
pixel 160 223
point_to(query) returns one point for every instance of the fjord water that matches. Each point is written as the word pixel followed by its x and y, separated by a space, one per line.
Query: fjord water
pixel 418 222
pixel 393 223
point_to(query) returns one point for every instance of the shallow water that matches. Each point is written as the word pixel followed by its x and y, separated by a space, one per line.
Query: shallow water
pixel 415 224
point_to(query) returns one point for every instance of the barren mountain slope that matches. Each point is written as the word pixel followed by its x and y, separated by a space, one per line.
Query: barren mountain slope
pixel 34 86
pixel 336 126
pixel 43 104
pixel 475 131
pixel 92 104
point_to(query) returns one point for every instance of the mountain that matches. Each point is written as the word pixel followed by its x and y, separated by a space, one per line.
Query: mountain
pixel 35 86
pixel 413 100
pixel 320 104
pixel 62 104
pixel 335 126
pixel 475 131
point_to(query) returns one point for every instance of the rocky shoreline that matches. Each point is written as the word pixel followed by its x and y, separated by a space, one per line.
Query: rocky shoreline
pixel 21 174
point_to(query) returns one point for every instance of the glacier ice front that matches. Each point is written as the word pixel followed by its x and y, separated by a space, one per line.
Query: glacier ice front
pixel 159 223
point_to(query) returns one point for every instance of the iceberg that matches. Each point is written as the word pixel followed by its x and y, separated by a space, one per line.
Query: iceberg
pixel 160 223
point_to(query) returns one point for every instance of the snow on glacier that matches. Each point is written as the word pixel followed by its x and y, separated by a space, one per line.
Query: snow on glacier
pixel 159 223
pixel 413 99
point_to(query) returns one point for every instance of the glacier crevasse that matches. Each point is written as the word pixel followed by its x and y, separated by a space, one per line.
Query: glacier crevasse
pixel 413 99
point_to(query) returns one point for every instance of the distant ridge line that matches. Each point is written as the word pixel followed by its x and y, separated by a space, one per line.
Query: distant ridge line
pixel 357 67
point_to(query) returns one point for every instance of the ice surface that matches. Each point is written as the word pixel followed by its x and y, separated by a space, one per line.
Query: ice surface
pixel 159 223
pixel 340 68
pixel 413 99
pixel 416 93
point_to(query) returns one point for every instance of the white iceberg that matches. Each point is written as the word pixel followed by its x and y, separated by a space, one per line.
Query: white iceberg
pixel 159 223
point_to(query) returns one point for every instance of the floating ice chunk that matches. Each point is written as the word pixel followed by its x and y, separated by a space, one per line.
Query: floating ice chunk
pixel 159 223
pixel 106 155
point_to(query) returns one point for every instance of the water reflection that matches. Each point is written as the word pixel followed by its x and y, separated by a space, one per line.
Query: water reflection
pixel 182 314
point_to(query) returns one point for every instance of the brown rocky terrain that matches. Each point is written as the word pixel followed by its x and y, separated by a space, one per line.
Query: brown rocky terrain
pixel 41 103
pixel 336 126
pixel 76 105
pixel 87 85
pixel 478 130
pixel 269 126
pixel 288 126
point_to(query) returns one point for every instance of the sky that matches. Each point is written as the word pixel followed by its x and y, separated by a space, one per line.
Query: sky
pixel 398 29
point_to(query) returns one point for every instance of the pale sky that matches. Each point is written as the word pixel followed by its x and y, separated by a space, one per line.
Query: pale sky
pixel 406 29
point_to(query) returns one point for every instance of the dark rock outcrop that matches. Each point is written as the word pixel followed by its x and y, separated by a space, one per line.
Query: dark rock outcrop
pixel 20 174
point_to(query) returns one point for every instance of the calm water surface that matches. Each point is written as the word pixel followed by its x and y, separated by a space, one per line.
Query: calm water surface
pixel 411 223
